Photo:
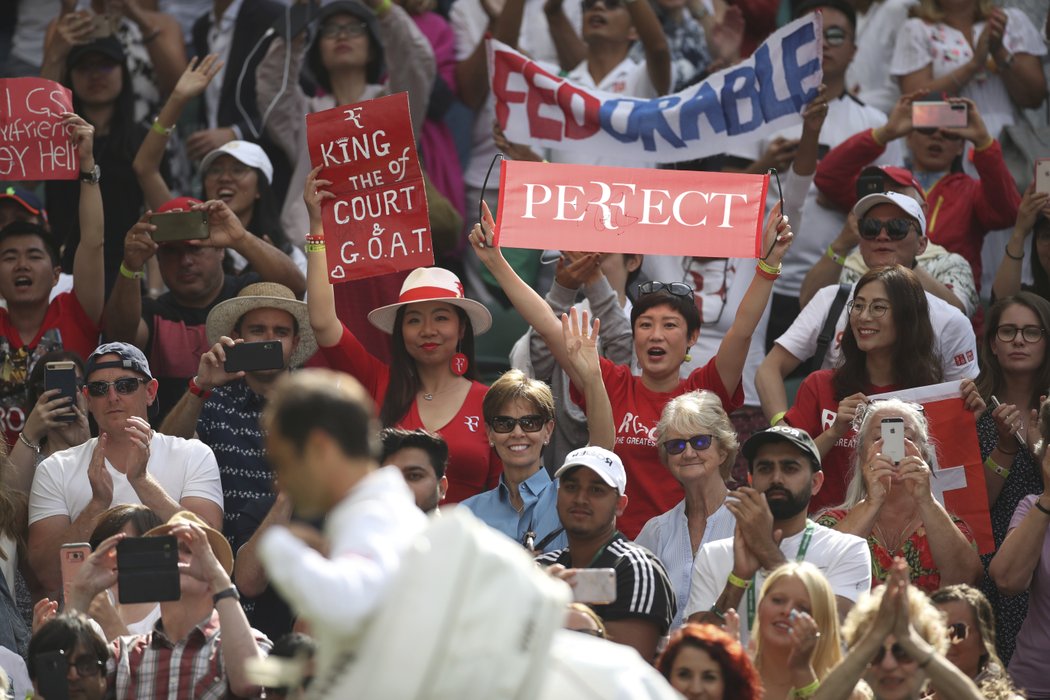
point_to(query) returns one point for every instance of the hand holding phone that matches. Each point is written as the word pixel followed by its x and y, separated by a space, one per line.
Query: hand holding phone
pixel 254 356
pixel 939 114
pixel 62 376
pixel 180 226
pixel 597 586
pixel 148 569
pixel 73 557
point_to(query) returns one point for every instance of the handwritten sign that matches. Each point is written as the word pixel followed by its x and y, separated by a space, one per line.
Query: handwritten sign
pixel 958 473
pixel 378 221
pixel 628 210
pixel 34 145
pixel 763 94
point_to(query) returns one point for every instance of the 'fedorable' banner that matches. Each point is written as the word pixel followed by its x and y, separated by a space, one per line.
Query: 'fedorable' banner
pixel 764 93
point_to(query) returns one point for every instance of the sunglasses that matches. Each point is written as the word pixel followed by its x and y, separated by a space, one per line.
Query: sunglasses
pixel 678 289
pixel 506 424
pixel 896 229
pixel 609 4
pixel 124 385
pixel 958 631
pixel 899 655
pixel 697 442
pixel 931 130
pixel 835 36
pixel 1007 333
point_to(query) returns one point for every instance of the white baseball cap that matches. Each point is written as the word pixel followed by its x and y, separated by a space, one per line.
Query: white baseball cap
pixel 249 153
pixel 600 461
pixel 903 201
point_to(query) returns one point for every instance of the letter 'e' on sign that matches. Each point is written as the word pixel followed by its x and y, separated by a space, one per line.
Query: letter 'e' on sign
pixel 378 222
pixel 34 143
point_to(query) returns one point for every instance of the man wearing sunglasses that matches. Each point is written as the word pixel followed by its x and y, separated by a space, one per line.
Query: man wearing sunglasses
pixel 128 463
pixel 771 521
pixel 966 207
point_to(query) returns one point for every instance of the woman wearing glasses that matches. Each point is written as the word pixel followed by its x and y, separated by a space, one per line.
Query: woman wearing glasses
pixel 697 445
pixel 896 642
pixel 971 631
pixel 891 504
pixel 665 323
pixel 1016 371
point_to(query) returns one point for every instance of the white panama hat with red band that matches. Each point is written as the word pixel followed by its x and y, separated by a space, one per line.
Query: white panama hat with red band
pixel 432 284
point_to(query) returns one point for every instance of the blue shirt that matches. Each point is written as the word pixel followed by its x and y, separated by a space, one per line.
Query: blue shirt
pixel 539 513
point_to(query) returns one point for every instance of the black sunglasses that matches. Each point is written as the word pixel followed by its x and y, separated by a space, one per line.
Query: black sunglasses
pixel 505 424
pixel 899 655
pixel 697 442
pixel 896 229
pixel 124 385
pixel 678 289
pixel 609 4
pixel 931 130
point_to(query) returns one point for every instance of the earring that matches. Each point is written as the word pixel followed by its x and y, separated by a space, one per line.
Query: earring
pixel 458 363
pixel 688 358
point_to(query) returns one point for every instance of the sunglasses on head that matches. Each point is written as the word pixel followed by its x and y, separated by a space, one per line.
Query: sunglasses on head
pixel 124 385
pixel 896 229
pixel 697 442
pixel 958 631
pixel 931 130
pixel 899 655
pixel 678 289
pixel 529 424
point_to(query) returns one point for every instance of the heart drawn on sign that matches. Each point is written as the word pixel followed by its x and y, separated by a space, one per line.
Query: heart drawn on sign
pixel 338 272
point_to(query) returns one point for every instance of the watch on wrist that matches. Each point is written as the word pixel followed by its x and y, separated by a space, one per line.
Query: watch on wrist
pixel 92 176
pixel 230 592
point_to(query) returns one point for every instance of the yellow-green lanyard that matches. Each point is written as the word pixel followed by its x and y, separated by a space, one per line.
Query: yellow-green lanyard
pixel 803 546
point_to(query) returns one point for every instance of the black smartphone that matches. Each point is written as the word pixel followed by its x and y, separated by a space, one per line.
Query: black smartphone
pixel 52 671
pixel 822 150
pixel 872 183
pixel 254 356
pixel 148 569
pixel 62 376
pixel 180 226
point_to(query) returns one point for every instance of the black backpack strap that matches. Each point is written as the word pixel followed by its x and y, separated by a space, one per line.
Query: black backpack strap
pixel 827 333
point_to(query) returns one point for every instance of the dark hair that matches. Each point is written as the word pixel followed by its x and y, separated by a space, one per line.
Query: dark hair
pixel 63 633
pixel 914 361
pixel 322 399
pixel 991 379
pixel 123 139
pixel 35 384
pixel 28 228
pixel 397 439
pixel 374 67
pixel 840 5
pixel 112 521
pixel 1040 280
pixel 741 680
pixel 293 645
pixel 266 216
pixel 404 379
pixel 686 306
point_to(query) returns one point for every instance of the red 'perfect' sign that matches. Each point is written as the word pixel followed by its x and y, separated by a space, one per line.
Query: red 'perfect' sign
pixel 34 145
pixel 378 221
pixel 628 210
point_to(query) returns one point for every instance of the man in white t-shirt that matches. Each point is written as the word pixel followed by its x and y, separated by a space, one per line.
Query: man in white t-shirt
pixel 128 463
pixel 955 342
pixel 784 464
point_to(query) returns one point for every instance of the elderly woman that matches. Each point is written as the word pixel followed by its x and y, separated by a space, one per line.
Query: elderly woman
pixel 697 444
pixel 893 507
pixel 971 629
pixel 896 641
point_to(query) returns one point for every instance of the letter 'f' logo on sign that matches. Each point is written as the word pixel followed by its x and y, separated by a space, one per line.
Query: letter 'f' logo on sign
pixel 353 115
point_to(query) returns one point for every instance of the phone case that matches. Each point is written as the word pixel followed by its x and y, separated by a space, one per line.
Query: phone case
pixel 63 376
pixel 148 569
pixel 893 439
pixel 596 586
pixel 1042 175
pixel 254 356
pixel 72 557
pixel 180 226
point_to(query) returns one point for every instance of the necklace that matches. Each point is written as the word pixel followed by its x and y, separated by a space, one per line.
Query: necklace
pixel 894 546
pixel 429 395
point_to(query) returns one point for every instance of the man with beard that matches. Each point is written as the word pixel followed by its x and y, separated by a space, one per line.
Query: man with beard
pixel 771 529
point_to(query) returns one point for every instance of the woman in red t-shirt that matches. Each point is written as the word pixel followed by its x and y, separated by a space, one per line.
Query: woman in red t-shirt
pixel 665 323
pixel 430 382
pixel 888 345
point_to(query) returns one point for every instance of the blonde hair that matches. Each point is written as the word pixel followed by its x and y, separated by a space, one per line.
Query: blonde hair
pixel 695 413
pixel 927 620
pixel 931 10
pixel 822 607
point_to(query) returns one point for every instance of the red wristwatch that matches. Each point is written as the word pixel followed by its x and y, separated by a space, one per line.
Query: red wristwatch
pixel 197 391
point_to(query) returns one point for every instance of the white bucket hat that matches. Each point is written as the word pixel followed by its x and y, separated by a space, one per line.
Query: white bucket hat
pixel 432 284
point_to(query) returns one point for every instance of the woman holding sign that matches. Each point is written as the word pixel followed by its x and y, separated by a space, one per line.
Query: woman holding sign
pixel 430 382
pixel 665 323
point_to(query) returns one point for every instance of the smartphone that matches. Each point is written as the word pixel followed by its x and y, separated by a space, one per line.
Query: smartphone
pixel 893 439
pixel 180 226
pixel 52 671
pixel 254 356
pixel 949 114
pixel 62 376
pixel 1042 175
pixel 872 183
pixel 596 586
pixel 148 569
pixel 102 26
pixel 73 557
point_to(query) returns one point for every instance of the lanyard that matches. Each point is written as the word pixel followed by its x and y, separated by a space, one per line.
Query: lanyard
pixel 803 547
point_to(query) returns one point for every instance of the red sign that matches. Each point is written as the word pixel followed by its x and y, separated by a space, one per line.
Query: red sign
pixel 34 145
pixel 378 221
pixel 628 210
pixel 958 476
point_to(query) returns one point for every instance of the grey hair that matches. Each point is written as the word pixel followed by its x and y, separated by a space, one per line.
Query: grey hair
pixel 913 417
pixel 695 413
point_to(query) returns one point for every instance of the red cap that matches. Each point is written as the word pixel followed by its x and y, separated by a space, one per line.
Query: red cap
pixel 902 176
pixel 178 204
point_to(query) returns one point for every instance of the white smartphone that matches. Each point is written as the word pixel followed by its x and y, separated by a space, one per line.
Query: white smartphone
pixel 893 439
pixel 1042 175
pixel 596 586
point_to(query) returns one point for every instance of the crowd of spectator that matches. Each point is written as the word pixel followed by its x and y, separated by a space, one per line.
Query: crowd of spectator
pixel 708 434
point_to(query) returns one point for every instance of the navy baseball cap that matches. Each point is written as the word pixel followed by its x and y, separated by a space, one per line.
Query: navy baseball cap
pixel 130 358
pixel 25 199
pixel 781 433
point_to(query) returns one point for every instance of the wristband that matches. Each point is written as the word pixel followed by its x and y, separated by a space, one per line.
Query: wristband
pixel 125 271
pixel 230 592
pixel 36 447
pixel 997 468
pixel 314 248
pixel 839 259
pixel 806 691
pixel 160 128
pixel 1041 507
pixel 735 580
pixel 1006 249
pixel 310 238
pixel 777 417
pixel 767 268
pixel 196 389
